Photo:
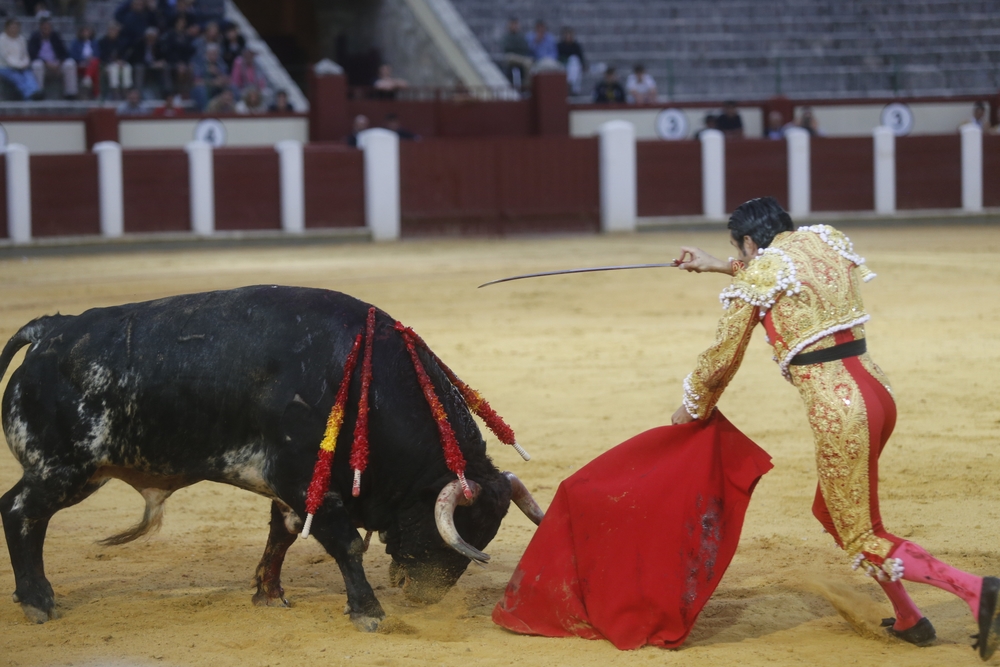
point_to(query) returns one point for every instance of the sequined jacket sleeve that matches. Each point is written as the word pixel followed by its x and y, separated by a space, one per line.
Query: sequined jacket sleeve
pixel 717 365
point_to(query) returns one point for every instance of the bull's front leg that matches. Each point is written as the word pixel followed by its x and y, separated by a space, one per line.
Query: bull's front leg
pixel 334 531
pixel 285 524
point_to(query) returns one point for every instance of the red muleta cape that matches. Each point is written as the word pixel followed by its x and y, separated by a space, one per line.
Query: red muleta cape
pixel 637 540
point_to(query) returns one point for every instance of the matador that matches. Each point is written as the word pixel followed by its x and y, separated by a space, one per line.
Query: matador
pixel 804 287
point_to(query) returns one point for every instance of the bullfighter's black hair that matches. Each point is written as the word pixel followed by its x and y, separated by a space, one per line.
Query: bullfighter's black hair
pixel 761 219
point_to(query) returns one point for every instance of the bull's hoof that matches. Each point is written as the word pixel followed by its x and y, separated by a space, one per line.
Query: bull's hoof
pixel 365 623
pixel 261 599
pixel 36 615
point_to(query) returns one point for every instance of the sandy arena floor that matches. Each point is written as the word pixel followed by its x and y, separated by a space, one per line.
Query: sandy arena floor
pixel 576 365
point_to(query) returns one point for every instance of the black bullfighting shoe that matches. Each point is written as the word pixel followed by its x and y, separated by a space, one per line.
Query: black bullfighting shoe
pixel 921 634
pixel 989 619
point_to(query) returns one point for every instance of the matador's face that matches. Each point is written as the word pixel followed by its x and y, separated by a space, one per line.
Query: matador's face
pixel 747 252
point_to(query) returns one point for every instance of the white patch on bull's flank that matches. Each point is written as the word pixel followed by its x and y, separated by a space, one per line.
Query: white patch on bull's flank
pixel 19 440
pixel 245 467
pixel 18 503
pixel 99 434
pixel 96 380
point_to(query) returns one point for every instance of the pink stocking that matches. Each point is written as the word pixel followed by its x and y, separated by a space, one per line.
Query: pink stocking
pixel 907 613
pixel 921 567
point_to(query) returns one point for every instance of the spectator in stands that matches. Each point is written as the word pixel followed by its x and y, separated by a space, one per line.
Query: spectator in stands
pixel 133 106
pixel 517 55
pixel 133 17
pixel 281 104
pixel 224 102
pixel 542 42
pixel 609 91
pixel 114 63
pixel 775 125
pixel 709 124
pixel 232 45
pixel 386 85
pixel 186 9
pixel 979 117
pixel 210 35
pixel 177 49
pixel 392 124
pixel 149 65
pixel 49 55
pixel 360 125
pixel 730 121
pixel 15 65
pixel 172 107
pixel 83 50
pixel 210 76
pixel 160 15
pixel 251 102
pixel 570 54
pixel 807 121
pixel 640 88
pixel 247 74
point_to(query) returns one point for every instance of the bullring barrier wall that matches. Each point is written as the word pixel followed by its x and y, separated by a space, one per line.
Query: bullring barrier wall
pixel 494 185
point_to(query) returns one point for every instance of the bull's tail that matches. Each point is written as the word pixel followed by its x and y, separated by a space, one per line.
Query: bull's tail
pixel 32 332
pixel 152 518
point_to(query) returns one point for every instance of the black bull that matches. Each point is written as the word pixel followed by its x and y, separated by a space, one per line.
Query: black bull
pixel 236 387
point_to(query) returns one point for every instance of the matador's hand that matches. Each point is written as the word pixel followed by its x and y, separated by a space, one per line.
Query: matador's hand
pixel 699 261
pixel 681 416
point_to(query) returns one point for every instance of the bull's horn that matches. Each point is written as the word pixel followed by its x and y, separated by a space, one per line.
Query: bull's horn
pixel 522 498
pixel 450 497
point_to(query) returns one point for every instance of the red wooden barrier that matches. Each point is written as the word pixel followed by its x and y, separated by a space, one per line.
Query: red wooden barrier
pixel 156 194
pixel 929 172
pixel 247 189
pixel 64 195
pixel 668 175
pixel 756 168
pixel 499 185
pixel 991 170
pixel 843 173
pixel 334 185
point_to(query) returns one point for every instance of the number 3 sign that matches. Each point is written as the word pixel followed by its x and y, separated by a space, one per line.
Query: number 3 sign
pixel 671 124
pixel 898 118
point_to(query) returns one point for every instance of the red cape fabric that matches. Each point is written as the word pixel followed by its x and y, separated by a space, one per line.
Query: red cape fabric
pixel 636 541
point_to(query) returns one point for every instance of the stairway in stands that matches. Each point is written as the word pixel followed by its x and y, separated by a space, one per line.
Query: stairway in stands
pixel 753 49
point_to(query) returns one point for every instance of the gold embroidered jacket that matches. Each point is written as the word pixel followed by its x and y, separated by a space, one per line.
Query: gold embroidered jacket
pixel 806 283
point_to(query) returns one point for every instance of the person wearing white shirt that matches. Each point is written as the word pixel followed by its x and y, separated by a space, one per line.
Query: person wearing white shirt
pixel 15 65
pixel 640 87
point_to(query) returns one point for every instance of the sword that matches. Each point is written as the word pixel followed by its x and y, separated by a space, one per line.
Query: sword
pixel 589 269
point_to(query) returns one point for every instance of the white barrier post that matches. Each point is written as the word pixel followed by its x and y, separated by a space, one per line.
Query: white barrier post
pixel 885 169
pixel 293 191
pixel 201 181
pixel 18 194
pixel 381 149
pixel 617 176
pixel 972 168
pixel 713 174
pixel 799 172
pixel 109 185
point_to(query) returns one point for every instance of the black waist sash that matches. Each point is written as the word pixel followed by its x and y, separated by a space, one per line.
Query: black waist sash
pixel 852 348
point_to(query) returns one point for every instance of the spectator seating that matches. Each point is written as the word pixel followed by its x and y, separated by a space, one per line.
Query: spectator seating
pixel 753 49
pixel 98 14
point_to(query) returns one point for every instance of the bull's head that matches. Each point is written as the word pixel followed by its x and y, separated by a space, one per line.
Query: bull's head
pixel 429 559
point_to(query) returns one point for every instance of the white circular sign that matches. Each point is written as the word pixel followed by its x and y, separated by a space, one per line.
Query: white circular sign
pixel 671 124
pixel 212 131
pixel 3 137
pixel 898 118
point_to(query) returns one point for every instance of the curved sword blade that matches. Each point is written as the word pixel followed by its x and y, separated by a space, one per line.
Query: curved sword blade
pixel 590 269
